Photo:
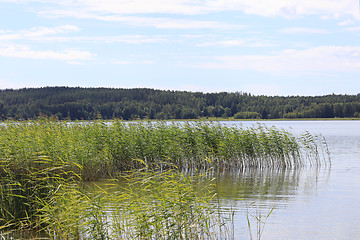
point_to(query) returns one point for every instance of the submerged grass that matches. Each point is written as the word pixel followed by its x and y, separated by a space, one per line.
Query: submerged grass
pixel 42 163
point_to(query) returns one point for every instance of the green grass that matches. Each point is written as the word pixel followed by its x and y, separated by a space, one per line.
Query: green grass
pixel 102 149
pixel 43 164
pixel 147 205
pixel 139 204
pixel 24 184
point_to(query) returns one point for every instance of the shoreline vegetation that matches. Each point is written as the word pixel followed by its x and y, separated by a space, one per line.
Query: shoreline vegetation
pixel 75 103
pixel 231 119
pixel 155 184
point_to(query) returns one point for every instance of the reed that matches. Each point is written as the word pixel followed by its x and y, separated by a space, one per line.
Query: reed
pixel 103 149
pixel 146 205
pixel 43 162
pixel 23 183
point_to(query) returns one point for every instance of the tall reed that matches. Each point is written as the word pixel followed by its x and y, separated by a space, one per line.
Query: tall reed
pixel 103 149
pixel 146 205
pixel 23 183
pixel 42 162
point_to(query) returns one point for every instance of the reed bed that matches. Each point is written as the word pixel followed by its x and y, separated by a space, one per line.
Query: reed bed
pixel 43 162
pixel 139 204
pixel 23 185
pixel 102 149
pixel 146 205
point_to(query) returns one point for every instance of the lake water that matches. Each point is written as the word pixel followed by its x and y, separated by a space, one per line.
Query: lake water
pixel 309 203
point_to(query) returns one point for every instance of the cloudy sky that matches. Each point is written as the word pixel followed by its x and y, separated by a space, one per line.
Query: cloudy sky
pixel 277 47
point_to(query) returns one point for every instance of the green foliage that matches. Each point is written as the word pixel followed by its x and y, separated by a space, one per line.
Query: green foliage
pixel 164 205
pixel 98 149
pixel 142 103
pixel 103 149
pixel 23 182
pixel 247 115
pixel 139 205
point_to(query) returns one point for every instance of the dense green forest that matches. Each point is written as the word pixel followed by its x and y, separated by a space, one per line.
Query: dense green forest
pixel 142 103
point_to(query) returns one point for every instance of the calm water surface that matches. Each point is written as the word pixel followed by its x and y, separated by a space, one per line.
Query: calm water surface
pixel 309 203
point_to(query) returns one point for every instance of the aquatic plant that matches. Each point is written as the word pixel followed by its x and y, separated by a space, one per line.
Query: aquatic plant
pixel 144 205
pixel 260 222
pixel 103 149
pixel 42 163
pixel 23 183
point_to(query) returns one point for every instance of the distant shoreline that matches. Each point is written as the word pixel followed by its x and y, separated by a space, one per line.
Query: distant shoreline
pixel 67 103
pixel 239 120
pixel 199 119
pixel 285 119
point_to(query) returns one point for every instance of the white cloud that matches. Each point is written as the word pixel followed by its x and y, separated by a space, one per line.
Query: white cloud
pixel 352 29
pixel 37 32
pixel 284 8
pixel 147 62
pixel 226 43
pixel 236 42
pixel 74 62
pixel 128 39
pixel 289 8
pixel 21 51
pixel 157 22
pixel 346 22
pixel 125 62
pixel 296 30
pixel 10 49
pixel 141 6
pixel 262 44
pixel 289 62
pixel 45 34
pixel 42 31
pixel 168 22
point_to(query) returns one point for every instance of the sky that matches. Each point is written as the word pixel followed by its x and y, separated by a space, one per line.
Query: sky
pixel 262 47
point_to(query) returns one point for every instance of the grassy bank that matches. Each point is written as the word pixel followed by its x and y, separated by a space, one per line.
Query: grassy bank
pixel 44 162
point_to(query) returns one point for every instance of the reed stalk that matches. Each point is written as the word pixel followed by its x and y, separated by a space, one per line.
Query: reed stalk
pixel 103 149
pixel 43 162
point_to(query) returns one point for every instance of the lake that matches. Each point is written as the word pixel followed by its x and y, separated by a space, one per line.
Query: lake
pixel 309 203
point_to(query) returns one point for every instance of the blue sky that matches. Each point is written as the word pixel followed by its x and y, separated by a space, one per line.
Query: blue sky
pixel 277 47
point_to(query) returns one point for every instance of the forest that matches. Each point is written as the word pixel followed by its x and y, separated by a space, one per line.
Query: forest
pixel 76 103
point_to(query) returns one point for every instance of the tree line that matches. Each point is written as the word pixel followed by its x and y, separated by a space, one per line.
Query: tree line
pixel 143 103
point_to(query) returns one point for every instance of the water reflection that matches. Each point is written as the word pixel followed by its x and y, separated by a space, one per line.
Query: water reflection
pixel 247 195
pixel 278 185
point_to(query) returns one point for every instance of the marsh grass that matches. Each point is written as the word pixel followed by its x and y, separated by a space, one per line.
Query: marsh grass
pixel 103 149
pixel 44 162
pixel 146 205
pixel 23 183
